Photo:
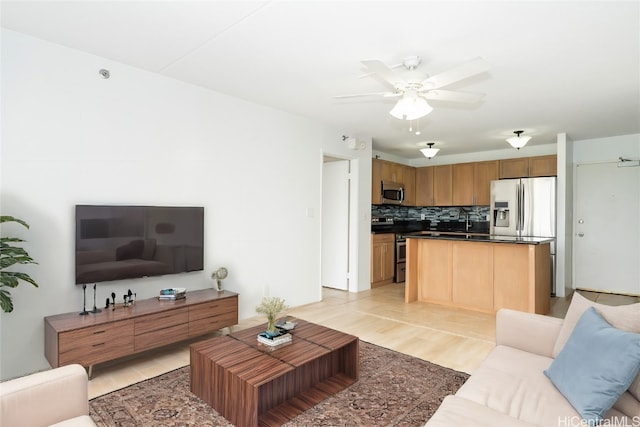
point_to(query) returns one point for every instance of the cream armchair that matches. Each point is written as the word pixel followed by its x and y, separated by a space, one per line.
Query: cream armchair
pixel 55 397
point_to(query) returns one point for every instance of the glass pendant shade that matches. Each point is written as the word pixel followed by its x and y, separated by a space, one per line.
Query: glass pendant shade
pixel 518 141
pixel 411 107
pixel 429 152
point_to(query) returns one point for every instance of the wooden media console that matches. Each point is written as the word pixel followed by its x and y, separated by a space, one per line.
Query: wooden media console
pixel 147 324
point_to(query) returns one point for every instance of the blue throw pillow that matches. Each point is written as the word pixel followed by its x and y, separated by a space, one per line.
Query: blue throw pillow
pixel 597 364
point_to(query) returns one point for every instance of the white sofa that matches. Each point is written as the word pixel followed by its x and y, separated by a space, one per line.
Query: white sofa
pixel 510 387
pixel 57 397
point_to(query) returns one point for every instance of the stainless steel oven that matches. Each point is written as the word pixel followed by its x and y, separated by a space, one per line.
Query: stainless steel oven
pixel 400 259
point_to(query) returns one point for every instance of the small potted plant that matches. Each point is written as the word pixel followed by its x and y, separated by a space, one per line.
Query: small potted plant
pixel 271 307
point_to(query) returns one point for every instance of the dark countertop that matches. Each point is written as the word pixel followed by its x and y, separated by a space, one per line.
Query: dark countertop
pixel 478 237
pixel 412 226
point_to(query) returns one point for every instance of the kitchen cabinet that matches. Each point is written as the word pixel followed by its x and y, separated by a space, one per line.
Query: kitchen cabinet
pixel 392 171
pixel 472 275
pixel 543 166
pixel 483 174
pixel 376 181
pixel 424 186
pixel 409 185
pixel 481 276
pixel 525 167
pixel 442 185
pixel 435 259
pixel 462 183
pixel 382 259
pixel 382 170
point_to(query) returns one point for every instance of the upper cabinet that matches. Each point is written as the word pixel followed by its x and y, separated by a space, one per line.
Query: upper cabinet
pixel 543 166
pixel 528 167
pixel 461 184
pixel 442 185
pixel 424 186
pixel 376 181
pixel 382 170
pixel 409 184
pixel 483 174
pixel 472 183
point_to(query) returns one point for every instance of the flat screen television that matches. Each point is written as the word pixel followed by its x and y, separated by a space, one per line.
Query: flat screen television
pixel 125 242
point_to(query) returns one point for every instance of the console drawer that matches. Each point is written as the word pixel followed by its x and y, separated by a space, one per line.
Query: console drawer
pixel 212 323
pixel 159 321
pixel 218 307
pixel 163 336
pixel 96 344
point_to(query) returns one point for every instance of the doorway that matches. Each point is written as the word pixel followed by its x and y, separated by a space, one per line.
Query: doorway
pixel 335 223
pixel 606 241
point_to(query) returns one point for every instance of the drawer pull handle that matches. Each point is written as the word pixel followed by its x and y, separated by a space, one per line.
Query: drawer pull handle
pixel 99 344
pixel 99 332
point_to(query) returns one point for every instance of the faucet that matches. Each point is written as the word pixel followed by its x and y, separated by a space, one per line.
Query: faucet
pixel 465 212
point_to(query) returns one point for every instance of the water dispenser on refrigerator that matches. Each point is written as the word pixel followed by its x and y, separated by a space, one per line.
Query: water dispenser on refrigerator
pixel 501 214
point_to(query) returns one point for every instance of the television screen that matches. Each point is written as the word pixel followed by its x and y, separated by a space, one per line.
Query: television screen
pixel 124 242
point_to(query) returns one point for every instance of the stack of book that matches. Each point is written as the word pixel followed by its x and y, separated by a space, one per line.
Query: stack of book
pixel 172 294
pixel 280 337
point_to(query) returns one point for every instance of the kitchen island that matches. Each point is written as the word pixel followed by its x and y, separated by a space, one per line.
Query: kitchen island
pixel 479 272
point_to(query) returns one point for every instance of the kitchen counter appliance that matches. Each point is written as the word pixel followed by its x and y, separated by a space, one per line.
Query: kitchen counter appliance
pixel 525 207
pixel 392 193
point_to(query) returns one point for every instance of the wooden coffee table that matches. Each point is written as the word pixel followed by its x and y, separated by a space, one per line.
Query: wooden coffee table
pixel 252 384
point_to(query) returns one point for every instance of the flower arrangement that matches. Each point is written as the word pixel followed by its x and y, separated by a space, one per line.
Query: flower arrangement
pixel 271 307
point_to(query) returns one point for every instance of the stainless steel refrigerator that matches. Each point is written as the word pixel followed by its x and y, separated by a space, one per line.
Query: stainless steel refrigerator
pixel 525 207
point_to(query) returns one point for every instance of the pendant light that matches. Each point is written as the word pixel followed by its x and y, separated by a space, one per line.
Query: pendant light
pixel 429 152
pixel 518 141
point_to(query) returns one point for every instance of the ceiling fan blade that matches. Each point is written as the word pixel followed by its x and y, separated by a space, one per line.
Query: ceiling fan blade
pixel 450 95
pixel 384 73
pixel 471 68
pixel 357 95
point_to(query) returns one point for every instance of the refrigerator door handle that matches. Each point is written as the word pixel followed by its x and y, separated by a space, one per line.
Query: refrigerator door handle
pixel 518 209
pixel 521 208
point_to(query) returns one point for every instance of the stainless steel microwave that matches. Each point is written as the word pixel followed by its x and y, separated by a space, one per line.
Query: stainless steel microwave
pixel 392 193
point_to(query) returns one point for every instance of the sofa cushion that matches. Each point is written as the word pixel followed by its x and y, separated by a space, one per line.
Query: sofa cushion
pixel 596 365
pixel 459 412
pixel 512 382
pixel 625 317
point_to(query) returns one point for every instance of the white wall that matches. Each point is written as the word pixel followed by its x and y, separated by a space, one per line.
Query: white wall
pixel 607 149
pixel 564 216
pixel 70 137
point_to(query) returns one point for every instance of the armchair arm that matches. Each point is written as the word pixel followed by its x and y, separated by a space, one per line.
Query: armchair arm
pixel 530 332
pixel 45 398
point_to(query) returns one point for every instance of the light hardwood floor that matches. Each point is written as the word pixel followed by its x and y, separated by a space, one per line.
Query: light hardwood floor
pixel 454 338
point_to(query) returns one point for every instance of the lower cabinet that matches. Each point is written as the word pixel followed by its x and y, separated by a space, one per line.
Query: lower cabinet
pixel 472 275
pixel 382 259
pixel 479 276
pixel 147 324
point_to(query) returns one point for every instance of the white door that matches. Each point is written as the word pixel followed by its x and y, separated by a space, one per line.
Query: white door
pixel 335 224
pixel 606 241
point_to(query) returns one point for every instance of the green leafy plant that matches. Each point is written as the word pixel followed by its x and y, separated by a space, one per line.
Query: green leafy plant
pixel 271 307
pixel 10 255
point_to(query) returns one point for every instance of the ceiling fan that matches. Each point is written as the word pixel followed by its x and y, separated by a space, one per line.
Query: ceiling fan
pixel 415 88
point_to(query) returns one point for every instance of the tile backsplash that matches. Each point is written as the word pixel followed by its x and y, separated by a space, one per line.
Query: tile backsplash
pixel 433 214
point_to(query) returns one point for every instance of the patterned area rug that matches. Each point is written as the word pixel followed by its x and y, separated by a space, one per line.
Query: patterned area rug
pixel 393 390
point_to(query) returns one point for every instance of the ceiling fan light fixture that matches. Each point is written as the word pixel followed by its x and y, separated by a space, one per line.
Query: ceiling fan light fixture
pixel 429 152
pixel 411 107
pixel 518 141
